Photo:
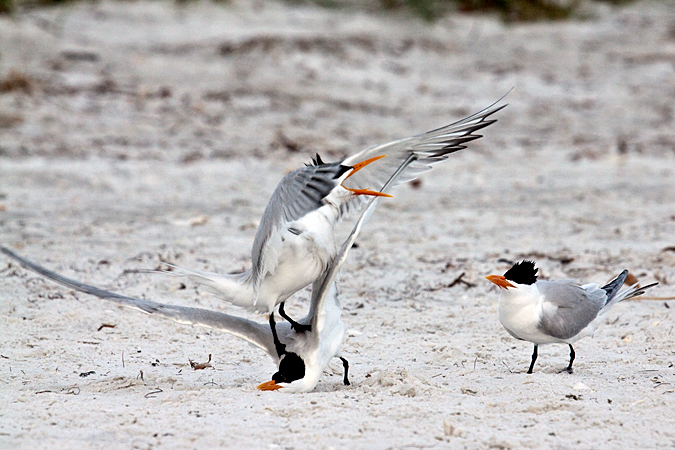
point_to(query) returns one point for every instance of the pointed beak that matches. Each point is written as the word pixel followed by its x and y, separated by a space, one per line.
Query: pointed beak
pixel 358 166
pixel 269 386
pixel 500 281
pixel 367 192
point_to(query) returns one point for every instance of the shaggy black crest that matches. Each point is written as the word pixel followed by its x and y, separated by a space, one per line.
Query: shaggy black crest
pixel 522 273
pixel 337 168
pixel 291 368
pixel 317 161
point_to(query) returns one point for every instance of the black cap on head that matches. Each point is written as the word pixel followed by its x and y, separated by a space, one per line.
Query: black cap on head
pixel 291 368
pixel 522 273
pixel 337 169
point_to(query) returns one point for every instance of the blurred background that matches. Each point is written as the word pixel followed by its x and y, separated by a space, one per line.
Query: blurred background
pixel 185 81
pixel 134 133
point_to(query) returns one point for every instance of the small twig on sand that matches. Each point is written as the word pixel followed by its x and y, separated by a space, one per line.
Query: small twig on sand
pixel 455 282
pixel 106 325
pixel 151 394
pixel 509 369
pixel 200 366
pixel 460 280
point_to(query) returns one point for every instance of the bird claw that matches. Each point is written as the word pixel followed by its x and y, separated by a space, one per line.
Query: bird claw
pixel 297 327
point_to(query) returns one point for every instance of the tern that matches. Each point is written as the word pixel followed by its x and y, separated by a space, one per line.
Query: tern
pixel 301 356
pixel 295 241
pixel 549 312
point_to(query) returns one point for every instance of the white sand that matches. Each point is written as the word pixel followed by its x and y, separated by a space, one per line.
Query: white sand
pixel 100 173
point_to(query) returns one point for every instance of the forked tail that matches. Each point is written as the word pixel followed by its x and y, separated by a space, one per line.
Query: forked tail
pixel 233 288
pixel 614 295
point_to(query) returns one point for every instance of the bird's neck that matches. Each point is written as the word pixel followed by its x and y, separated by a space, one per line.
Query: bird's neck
pixel 518 305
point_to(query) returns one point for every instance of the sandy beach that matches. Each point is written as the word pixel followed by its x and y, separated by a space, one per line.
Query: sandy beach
pixel 136 133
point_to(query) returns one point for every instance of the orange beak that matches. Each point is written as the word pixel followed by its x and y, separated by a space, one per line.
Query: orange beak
pixel 367 192
pixel 269 386
pixel 358 166
pixel 500 281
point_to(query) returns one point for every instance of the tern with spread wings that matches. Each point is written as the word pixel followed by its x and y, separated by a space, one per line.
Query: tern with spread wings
pixel 301 356
pixel 295 240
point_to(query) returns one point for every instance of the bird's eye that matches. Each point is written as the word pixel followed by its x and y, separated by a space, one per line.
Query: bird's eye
pixel 279 378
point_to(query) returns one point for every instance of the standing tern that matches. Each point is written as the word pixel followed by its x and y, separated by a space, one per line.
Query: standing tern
pixel 301 356
pixel 295 240
pixel 548 312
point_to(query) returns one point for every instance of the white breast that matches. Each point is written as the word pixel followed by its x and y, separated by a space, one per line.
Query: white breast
pixel 308 247
pixel 520 313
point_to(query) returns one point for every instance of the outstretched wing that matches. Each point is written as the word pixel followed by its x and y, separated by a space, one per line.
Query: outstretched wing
pixel 302 190
pixel 321 289
pixel 425 150
pixel 298 193
pixel 253 332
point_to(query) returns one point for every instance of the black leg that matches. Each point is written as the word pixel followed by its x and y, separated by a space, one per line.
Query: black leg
pixel 534 358
pixel 572 356
pixel 281 348
pixel 295 325
pixel 345 364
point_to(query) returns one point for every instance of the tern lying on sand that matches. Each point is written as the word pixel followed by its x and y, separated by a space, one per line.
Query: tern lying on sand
pixel 301 356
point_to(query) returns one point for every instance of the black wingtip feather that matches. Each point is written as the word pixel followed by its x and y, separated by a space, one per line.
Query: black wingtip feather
pixel 612 288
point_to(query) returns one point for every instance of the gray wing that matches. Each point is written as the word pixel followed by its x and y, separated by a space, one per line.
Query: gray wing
pixel 322 287
pixel 405 159
pixel 569 308
pixel 253 332
pixel 425 149
pixel 298 193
